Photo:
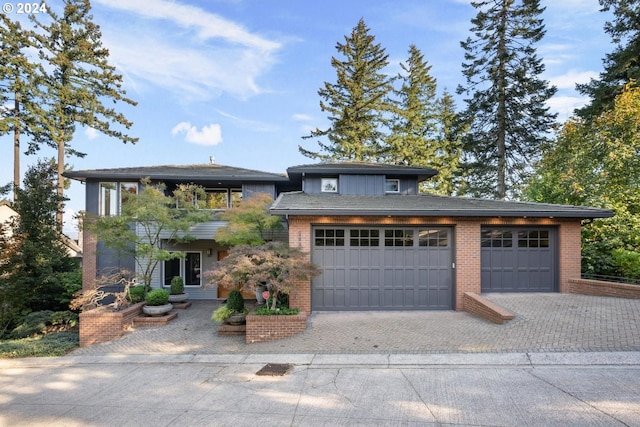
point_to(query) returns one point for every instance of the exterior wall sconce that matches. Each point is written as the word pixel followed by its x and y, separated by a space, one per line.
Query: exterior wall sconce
pixel 209 251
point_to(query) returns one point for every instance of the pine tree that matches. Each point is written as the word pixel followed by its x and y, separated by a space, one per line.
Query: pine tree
pixel 78 82
pixel 506 111
pixel 620 66
pixel 356 103
pixel 447 152
pixel 422 126
pixel 413 121
pixel 19 89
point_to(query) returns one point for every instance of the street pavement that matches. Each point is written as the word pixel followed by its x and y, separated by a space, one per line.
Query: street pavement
pixel 566 360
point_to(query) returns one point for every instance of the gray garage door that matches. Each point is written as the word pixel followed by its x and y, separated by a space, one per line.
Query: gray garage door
pixel 519 259
pixel 377 268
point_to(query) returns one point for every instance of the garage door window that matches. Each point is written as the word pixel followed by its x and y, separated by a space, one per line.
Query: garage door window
pixel 533 239
pixel 433 238
pixel 398 237
pixel 329 237
pixel 364 237
pixel 497 239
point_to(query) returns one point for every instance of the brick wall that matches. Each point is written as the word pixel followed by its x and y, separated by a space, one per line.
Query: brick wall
pixel 270 328
pixel 101 325
pixel 467 246
pixel 603 289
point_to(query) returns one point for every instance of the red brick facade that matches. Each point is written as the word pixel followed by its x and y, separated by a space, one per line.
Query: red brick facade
pixel 467 246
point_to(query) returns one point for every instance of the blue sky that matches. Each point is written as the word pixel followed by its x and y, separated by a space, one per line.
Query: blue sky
pixel 238 79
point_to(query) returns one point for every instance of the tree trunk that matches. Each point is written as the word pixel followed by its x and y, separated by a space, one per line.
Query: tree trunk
pixel 16 146
pixel 60 189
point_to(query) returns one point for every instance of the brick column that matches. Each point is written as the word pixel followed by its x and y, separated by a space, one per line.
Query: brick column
pixel 570 253
pixel 300 237
pixel 89 264
pixel 467 258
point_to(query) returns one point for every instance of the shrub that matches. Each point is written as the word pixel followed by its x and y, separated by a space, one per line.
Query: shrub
pixel 221 313
pixel 177 285
pixel 627 262
pixel 136 294
pixel 65 318
pixel 49 345
pixel 157 297
pixel 266 311
pixel 32 324
pixel 235 301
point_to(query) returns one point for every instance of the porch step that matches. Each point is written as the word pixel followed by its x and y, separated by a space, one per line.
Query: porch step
pixel 225 330
pixel 154 320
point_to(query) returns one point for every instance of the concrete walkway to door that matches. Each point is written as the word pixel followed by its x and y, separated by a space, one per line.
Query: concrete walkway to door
pixel 543 323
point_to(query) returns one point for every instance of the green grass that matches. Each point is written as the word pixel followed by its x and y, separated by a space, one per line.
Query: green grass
pixel 52 344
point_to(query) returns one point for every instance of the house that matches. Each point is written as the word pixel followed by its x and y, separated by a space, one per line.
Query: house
pixel 380 244
pixel 7 213
pixel 225 187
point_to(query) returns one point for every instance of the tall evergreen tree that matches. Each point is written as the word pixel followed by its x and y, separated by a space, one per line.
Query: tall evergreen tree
pixel 447 152
pixel 78 82
pixel 357 103
pixel 414 118
pixel 506 97
pixel 19 90
pixel 620 66
pixel 422 126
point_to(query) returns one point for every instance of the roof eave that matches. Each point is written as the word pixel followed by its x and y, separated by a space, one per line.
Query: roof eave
pixel 442 213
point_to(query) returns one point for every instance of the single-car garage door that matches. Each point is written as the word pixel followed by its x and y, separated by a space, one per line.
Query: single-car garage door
pixel 519 259
pixel 382 268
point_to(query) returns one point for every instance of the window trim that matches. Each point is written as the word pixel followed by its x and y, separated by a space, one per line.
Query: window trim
pixel 332 182
pixel 118 195
pixel 397 185
pixel 183 269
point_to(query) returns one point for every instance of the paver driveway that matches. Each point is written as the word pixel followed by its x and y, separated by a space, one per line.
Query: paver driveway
pixel 543 323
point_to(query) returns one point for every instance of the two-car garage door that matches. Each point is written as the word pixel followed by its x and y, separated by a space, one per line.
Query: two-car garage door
pixel 411 268
pixel 383 268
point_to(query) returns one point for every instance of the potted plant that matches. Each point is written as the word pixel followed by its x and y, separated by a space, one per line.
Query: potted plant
pixel 157 303
pixel 176 292
pixel 233 312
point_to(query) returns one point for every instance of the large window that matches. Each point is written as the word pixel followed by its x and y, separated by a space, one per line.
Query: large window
pixel 221 198
pixel 113 195
pixel 188 268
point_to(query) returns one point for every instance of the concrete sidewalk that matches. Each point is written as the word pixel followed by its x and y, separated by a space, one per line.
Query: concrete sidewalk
pixel 514 389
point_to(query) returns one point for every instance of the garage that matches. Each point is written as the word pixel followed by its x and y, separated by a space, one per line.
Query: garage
pixel 519 259
pixel 382 268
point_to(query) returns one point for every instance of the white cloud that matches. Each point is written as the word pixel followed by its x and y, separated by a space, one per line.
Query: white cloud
pixel 185 49
pixel 91 133
pixel 301 117
pixel 254 125
pixel 209 135
pixel 564 105
pixel 570 78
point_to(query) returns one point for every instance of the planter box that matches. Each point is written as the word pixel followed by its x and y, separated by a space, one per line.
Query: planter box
pixel 275 327
pixel 102 325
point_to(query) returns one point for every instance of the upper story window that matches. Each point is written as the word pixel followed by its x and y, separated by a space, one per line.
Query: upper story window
pixel 391 185
pixel 329 185
pixel 222 198
pixel 113 195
